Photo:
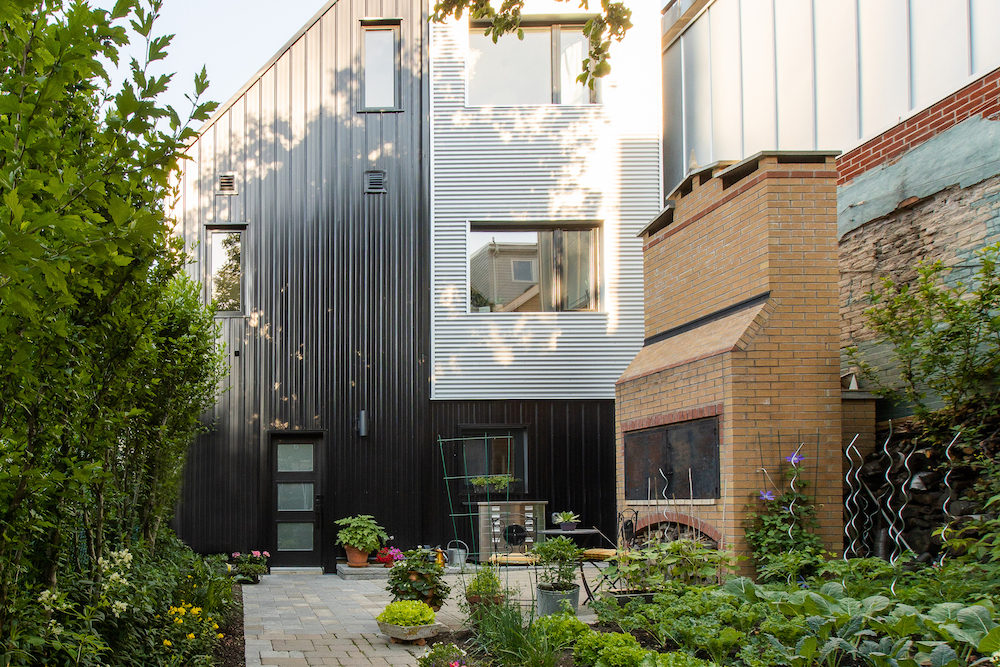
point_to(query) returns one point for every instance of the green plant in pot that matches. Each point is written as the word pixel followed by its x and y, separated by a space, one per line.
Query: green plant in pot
pixel 558 559
pixel 485 587
pixel 418 577
pixel 407 620
pixel 566 520
pixel 360 536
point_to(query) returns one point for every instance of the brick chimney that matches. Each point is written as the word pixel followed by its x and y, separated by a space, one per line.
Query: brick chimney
pixel 741 362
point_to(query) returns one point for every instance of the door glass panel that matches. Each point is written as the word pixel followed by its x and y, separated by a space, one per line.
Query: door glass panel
pixel 295 458
pixel 295 536
pixel 296 497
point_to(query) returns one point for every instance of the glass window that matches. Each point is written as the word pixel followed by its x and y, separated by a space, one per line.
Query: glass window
pixel 295 458
pixel 572 53
pixel 295 497
pixel 295 537
pixel 533 271
pixel 516 71
pixel 226 269
pixel 496 452
pixel 379 79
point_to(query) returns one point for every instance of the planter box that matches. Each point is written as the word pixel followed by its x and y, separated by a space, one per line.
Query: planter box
pixel 409 633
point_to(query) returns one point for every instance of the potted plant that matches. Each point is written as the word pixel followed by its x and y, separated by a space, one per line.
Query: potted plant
pixel 566 520
pixel 360 536
pixel 408 620
pixel 388 556
pixel 558 559
pixel 485 587
pixel 493 482
pixel 248 568
pixel 418 577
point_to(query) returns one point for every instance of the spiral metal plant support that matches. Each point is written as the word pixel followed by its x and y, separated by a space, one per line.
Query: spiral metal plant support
pixel 795 491
pixel 905 489
pixel 851 533
pixel 947 495
pixel 895 532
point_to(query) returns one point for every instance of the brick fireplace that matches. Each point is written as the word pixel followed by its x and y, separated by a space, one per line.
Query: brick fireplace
pixel 741 362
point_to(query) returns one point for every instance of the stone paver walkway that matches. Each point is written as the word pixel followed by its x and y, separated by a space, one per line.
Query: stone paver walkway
pixel 293 620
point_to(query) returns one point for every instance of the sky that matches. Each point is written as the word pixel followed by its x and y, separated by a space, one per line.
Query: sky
pixel 232 38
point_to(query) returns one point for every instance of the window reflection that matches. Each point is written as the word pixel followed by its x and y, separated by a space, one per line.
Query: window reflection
pixel 226 270
pixel 533 271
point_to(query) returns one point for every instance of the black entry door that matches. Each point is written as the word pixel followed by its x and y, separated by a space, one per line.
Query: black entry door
pixel 297 501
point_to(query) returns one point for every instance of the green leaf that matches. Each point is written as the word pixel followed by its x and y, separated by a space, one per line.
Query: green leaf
pixel 990 643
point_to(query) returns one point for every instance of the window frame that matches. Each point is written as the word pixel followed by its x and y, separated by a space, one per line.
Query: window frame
pixel 555 23
pixel 489 432
pixel 209 276
pixel 373 24
pixel 597 246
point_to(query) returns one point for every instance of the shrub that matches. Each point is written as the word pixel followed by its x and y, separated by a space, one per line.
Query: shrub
pixel 407 612
pixel 590 646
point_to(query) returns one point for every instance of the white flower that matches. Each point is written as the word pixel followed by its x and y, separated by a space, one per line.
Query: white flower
pixel 119 608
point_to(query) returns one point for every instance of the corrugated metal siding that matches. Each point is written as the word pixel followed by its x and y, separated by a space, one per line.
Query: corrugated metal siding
pixel 822 75
pixel 335 285
pixel 544 163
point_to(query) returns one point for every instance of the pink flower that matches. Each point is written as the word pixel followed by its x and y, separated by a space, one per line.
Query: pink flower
pixel 256 554
pixel 267 555
pixel 236 554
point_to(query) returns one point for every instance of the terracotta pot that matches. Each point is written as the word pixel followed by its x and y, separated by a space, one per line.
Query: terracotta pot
pixel 356 557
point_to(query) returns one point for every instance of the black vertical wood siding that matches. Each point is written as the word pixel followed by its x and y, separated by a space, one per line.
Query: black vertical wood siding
pixel 335 284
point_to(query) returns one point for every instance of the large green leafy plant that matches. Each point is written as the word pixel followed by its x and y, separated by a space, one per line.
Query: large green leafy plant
pixel 107 355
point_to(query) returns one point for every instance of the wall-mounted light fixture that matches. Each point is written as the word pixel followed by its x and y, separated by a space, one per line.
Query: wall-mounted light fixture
pixel 363 423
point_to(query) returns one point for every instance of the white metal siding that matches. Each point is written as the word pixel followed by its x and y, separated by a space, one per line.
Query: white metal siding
pixel 544 163
pixel 816 74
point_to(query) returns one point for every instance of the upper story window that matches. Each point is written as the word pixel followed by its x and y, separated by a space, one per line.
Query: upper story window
pixel 380 65
pixel 539 69
pixel 225 268
pixel 533 268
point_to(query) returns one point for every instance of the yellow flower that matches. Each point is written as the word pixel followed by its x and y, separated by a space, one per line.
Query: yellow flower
pixel 178 620
pixel 215 626
pixel 191 635
pixel 196 611
pixel 166 642
pixel 219 636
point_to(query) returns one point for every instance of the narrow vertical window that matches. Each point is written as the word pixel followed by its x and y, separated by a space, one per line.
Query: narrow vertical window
pixel 380 73
pixel 226 269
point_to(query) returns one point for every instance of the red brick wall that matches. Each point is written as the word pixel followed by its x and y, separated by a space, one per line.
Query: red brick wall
pixel 982 97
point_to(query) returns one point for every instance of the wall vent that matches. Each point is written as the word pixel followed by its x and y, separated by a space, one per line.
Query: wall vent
pixel 375 182
pixel 226 184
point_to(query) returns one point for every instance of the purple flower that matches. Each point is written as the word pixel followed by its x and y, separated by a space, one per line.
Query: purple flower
pixel 767 495
pixel 795 458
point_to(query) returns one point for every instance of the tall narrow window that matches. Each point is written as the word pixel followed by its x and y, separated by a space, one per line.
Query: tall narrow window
pixel 226 269
pixel 380 74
